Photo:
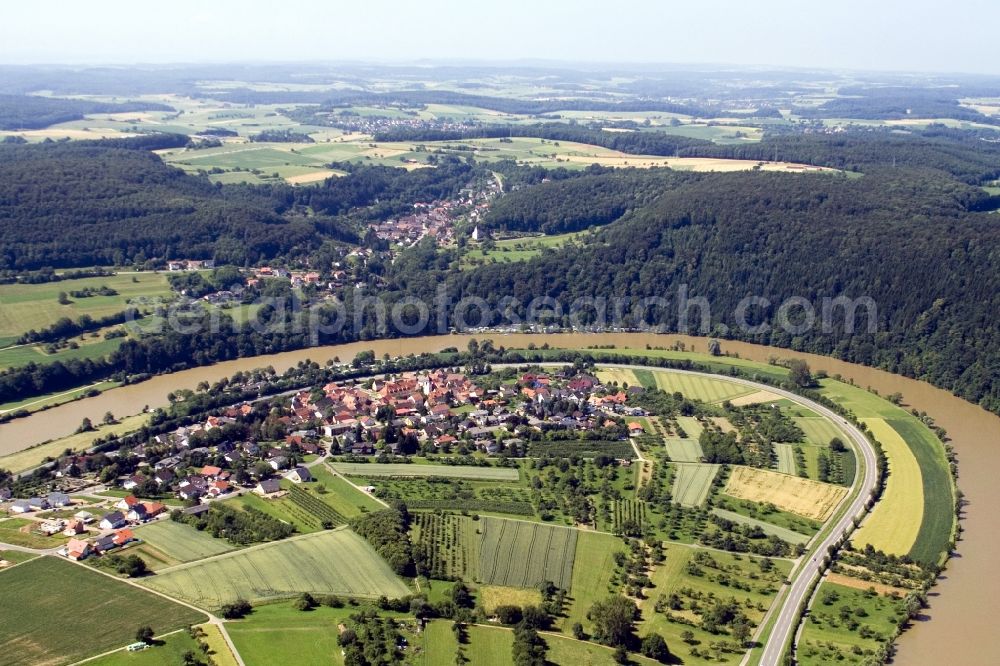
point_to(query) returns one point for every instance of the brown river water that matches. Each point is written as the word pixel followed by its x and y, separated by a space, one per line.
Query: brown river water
pixel 960 625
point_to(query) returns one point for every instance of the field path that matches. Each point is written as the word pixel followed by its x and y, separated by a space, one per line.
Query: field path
pixel 330 468
pixel 212 619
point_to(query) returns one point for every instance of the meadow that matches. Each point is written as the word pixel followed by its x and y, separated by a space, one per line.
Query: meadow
pixel 807 498
pixel 491 646
pixel 284 569
pixel 827 635
pixel 12 531
pixel 819 431
pixel 515 553
pixel 279 633
pixel 697 577
pixel 34 306
pixel 693 482
pixel 168 652
pixel 492 596
pixel 593 569
pixel 370 470
pixel 53 611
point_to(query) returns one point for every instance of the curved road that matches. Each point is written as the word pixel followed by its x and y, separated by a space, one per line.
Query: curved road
pixel 811 565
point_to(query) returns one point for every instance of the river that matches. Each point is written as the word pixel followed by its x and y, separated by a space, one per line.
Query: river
pixel 966 600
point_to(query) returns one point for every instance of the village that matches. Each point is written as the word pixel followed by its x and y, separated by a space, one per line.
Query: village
pixel 261 447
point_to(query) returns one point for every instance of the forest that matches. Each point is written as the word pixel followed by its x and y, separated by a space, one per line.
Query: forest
pixel 35 112
pixel 908 239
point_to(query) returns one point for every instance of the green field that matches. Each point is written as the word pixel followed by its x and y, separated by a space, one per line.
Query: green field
pixel 939 515
pixel 169 652
pixel 35 306
pixel 331 562
pixel 370 470
pixel 515 553
pixel 819 431
pixel 827 636
pixel 697 584
pixel 39 402
pixel 181 542
pixel 10 532
pixel 692 483
pixel 338 492
pixel 592 571
pixel 782 533
pixel 691 426
pixel 513 250
pixel 491 646
pixel 683 450
pixel 278 633
pixel 786 457
pixel 53 611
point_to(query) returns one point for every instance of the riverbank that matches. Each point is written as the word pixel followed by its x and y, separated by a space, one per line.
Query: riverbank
pixel 967 594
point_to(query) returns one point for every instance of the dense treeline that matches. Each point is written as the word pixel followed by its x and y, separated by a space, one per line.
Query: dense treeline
pixel 100 203
pixel 333 98
pixel 635 143
pixel 240 527
pixel 904 238
pixel 33 112
pixel 894 103
pixel 970 157
pixel 599 197
pixel 387 532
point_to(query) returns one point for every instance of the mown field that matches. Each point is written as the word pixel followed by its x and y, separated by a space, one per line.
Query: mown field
pixel 785 453
pixel 491 646
pixel 331 562
pixel 692 483
pixel 697 387
pixel 57 612
pixel 181 542
pixel 280 634
pixel 592 571
pixel 819 431
pixel 804 497
pixel 515 553
pixel 683 450
pixel 404 470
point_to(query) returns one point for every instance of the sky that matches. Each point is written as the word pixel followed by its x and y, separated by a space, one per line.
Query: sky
pixel 886 35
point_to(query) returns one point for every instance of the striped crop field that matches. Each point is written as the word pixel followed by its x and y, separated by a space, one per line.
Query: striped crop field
pixel 697 387
pixel 692 483
pixel 691 426
pixel 804 497
pixel 516 553
pixel 819 431
pixel 330 562
pixel 402 469
pixel 786 457
pixel 182 542
pixel 683 450
pixel 617 375
pixel 782 533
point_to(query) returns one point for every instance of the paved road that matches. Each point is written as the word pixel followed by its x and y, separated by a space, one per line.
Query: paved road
pixel 812 565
